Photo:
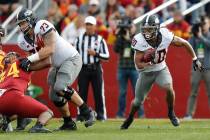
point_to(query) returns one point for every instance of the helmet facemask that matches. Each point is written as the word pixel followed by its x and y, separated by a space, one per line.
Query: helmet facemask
pixel 149 32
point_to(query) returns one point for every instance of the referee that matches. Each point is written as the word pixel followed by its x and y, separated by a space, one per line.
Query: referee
pixel 93 48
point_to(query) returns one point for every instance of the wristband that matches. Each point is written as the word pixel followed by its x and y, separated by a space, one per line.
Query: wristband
pixel 34 57
pixel 194 58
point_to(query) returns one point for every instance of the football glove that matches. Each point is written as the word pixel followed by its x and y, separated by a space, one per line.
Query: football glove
pixel 25 64
pixel 197 65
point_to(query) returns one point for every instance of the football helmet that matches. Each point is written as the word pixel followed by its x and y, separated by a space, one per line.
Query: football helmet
pixel 150 27
pixel 26 15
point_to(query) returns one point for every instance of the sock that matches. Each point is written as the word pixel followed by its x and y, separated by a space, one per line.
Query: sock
pixel 67 119
pixel 134 109
pixel 170 110
pixel 84 109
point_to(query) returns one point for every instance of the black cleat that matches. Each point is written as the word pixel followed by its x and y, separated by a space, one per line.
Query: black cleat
pixel 174 120
pixel 90 119
pixel 80 118
pixel 5 125
pixel 39 129
pixel 126 123
pixel 22 123
pixel 71 125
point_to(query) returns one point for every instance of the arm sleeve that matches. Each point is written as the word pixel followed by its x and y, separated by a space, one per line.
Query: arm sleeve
pixel 43 27
pixel 103 52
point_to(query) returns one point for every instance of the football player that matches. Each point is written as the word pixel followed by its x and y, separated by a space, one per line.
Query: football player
pixel 48 48
pixel 13 84
pixel 155 70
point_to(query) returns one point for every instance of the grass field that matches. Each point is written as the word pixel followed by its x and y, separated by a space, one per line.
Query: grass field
pixel 143 129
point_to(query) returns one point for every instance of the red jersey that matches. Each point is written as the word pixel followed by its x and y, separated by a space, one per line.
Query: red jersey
pixel 14 78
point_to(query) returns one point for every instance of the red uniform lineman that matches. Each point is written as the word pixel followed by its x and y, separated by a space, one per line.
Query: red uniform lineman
pixel 13 84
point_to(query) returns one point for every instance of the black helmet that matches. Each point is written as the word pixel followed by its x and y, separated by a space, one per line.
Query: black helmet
pixel 28 16
pixel 150 26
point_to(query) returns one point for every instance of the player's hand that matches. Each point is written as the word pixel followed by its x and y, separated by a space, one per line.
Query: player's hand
pixel 197 65
pixel 25 64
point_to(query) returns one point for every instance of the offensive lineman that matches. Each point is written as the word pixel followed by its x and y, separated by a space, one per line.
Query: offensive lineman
pixel 155 71
pixel 49 48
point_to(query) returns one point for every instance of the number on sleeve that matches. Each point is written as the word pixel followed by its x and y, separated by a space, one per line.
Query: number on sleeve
pixel 44 26
pixel 134 41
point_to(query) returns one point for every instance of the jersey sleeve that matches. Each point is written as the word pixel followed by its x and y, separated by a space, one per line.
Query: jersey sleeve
pixel 21 42
pixel 167 34
pixel 43 27
pixel 138 43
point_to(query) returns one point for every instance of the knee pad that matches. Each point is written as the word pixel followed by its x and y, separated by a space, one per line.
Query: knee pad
pixel 68 92
pixel 60 103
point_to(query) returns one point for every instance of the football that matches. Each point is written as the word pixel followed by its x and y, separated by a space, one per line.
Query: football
pixel 149 55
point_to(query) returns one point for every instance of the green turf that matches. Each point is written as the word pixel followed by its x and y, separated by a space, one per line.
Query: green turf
pixel 144 129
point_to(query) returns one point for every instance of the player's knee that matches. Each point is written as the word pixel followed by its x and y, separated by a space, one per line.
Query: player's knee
pixel 136 102
pixel 66 93
pixel 168 88
pixel 60 103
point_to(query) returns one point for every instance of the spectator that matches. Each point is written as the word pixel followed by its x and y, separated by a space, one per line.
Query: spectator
pixel 113 7
pixel 6 8
pixel 126 66
pixel 74 29
pixel 92 47
pixel 71 15
pixel 201 44
pixel 55 16
pixel 179 27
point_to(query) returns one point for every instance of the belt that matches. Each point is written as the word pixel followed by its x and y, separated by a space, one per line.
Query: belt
pixel 91 66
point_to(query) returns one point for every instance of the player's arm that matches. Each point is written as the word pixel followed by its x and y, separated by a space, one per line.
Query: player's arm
pixel 45 63
pixel 179 42
pixel 47 50
pixel 138 57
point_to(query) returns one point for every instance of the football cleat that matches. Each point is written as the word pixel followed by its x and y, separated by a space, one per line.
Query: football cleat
pixel 22 123
pixel 71 125
pixel 127 123
pixel 39 129
pixel 4 125
pixel 90 119
pixel 174 120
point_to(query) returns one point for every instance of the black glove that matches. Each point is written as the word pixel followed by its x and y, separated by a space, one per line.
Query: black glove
pixel 197 65
pixel 25 64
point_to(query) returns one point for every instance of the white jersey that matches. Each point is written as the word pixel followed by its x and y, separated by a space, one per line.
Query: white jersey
pixel 63 49
pixel 140 44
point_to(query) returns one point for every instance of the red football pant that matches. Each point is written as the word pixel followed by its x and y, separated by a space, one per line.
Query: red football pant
pixel 14 103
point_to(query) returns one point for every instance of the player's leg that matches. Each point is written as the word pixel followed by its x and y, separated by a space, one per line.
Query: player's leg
pixel 195 82
pixel 133 76
pixel 122 77
pixel 29 107
pixel 60 102
pixel 164 80
pixel 66 75
pixel 143 85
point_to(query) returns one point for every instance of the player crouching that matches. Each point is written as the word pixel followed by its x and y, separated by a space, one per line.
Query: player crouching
pixel 13 84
